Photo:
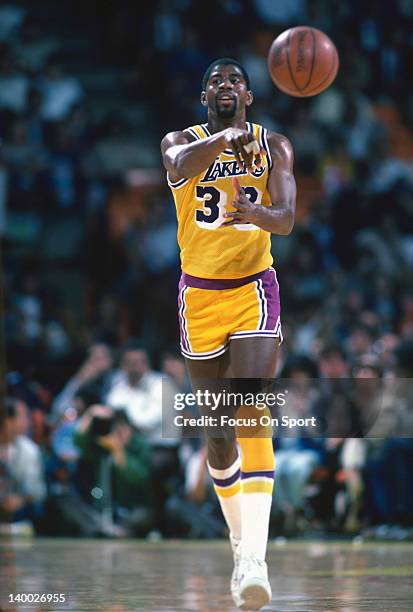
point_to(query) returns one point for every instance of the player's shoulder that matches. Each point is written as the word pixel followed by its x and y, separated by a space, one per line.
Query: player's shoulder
pixel 273 138
pixel 178 137
pixel 279 144
pixel 278 140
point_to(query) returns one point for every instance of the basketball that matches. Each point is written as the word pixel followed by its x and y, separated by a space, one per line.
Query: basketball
pixel 303 61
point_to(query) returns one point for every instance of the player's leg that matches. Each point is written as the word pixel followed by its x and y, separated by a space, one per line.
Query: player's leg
pixel 224 464
pixel 254 358
pixel 222 454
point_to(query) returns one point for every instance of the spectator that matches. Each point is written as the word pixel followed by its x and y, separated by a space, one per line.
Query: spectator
pixel 298 452
pixel 114 469
pixel 138 391
pixel 60 92
pixel 386 170
pixel 96 371
pixel 333 362
pixel 23 489
pixel 389 465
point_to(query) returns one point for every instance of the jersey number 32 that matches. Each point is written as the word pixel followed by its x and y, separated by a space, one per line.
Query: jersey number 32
pixel 211 215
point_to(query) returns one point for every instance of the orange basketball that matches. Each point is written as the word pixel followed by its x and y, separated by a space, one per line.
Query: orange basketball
pixel 303 61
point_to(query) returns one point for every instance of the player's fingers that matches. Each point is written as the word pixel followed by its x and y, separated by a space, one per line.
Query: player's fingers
pixel 237 187
pixel 247 154
pixel 258 159
pixel 241 141
pixel 237 154
pixel 252 147
pixel 239 206
pixel 232 215
pixel 246 158
pixel 233 222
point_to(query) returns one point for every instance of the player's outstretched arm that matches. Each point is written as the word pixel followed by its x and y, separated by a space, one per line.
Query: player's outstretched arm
pixel 184 157
pixel 279 217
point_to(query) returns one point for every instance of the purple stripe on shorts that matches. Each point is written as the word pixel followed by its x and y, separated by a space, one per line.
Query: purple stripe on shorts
pixel 262 297
pixel 226 482
pixel 263 474
pixel 181 307
pixel 257 332
pixel 219 283
pixel 209 355
pixel 271 290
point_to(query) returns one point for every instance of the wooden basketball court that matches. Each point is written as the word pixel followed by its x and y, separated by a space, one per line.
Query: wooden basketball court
pixel 175 576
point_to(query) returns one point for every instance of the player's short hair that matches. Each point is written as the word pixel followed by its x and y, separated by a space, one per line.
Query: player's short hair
pixel 224 61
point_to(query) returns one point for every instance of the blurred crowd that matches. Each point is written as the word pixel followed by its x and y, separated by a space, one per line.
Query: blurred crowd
pixel 91 262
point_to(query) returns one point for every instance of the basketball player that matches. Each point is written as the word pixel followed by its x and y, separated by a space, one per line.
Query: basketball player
pixel 233 186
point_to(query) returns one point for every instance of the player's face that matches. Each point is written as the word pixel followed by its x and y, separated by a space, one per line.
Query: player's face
pixel 226 91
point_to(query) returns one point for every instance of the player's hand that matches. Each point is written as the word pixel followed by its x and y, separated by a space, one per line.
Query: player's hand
pixel 246 211
pixel 245 147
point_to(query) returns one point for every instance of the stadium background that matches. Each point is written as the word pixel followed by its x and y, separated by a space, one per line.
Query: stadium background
pixel 87 90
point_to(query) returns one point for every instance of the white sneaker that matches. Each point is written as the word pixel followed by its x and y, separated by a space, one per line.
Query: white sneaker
pixel 254 588
pixel 236 551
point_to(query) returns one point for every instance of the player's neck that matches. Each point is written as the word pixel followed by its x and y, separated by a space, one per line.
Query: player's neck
pixel 216 124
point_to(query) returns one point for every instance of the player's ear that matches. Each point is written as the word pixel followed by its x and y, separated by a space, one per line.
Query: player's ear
pixel 204 98
pixel 250 98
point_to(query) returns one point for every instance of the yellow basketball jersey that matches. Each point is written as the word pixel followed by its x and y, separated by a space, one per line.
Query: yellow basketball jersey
pixel 209 250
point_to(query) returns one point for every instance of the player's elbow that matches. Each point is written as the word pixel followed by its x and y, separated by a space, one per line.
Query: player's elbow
pixel 286 226
pixel 174 162
pixel 183 167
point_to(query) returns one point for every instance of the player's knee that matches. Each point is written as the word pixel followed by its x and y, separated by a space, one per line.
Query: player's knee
pixel 221 452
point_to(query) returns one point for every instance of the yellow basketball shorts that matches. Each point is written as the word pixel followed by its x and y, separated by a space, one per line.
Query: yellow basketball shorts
pixel 213 312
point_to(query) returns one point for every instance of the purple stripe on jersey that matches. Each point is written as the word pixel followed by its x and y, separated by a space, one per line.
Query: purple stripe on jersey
pixel 271 290
pixel 194 134
pixel 178 183
pixel 205 129
pixel 227 482
pixel 219 283
pixel 263 474
pixel 265 146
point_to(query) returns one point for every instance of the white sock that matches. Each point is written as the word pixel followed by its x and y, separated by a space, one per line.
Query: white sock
pixel 255 517
pixel 228 489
